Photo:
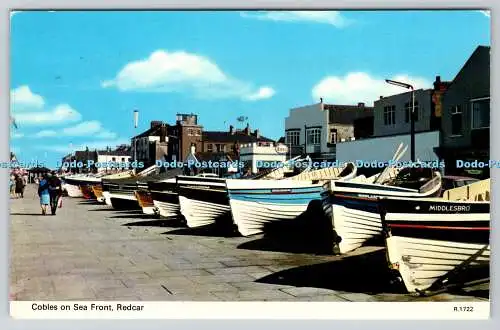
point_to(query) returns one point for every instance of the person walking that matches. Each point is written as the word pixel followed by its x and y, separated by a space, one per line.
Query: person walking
pixel 43 192
pixel 55 192
pixel 19 186
pixel 11 186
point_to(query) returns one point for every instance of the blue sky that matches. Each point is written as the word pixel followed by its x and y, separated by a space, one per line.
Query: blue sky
pixel 77 76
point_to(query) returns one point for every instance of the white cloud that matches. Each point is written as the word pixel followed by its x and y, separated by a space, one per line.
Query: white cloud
pixel 45 133
pixel 22 97
pixel 333 18
pixel 263 93
pixel 92 145
pixel 62 113
pixel 106 135
pixel 361 87
pixel 485 13
pixel 179 71
pixel 16 135
pixel 85 128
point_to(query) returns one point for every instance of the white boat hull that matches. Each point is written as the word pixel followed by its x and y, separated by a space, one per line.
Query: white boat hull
pixel 198 213
pixel 421 262
pixel 73 190
pixel 149 210
pixel 354 227
pixel 252 217
pixel 107 198
pixel 166 210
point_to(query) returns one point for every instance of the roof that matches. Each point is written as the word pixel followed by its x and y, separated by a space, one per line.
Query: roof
pixel 117 152
pixel 153 131
pixel 346 114
pixel 238 136
pixel 83 154
pixel 479 52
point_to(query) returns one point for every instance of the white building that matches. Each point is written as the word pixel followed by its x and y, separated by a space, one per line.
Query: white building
pixel 119 155
pixel 382 149
pixel 252 154
pixel 315 129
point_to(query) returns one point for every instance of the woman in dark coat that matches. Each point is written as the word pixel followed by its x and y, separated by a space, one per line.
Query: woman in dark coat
pixel 19 186
pixel 55 191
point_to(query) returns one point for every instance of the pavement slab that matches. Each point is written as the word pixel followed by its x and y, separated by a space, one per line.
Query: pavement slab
pixel 90 251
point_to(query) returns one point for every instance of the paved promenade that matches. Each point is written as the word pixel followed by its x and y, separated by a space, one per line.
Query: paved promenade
pixel 91 252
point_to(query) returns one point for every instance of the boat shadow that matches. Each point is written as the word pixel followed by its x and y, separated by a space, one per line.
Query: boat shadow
pixel 134 216
pixel 311 232
pixel 348 274
pixel 222 227
pixel 173 222
pixel 89 202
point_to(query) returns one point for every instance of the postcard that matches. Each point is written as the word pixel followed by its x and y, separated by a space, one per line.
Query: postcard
pixel 262 164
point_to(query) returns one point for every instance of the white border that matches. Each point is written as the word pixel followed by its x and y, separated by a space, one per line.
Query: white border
pixel 276 4
pixel 256 310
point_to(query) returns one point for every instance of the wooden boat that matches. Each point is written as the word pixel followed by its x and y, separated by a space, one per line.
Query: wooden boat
pixel 204 201
pixel 97 190
pixel 119 191
pixel 145 201
pixel 430 242
pixel 352 206
pixel 255 204
pixel 87 192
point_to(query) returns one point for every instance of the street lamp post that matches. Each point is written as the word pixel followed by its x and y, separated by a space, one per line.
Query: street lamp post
pixel 412 114
pixel 136 122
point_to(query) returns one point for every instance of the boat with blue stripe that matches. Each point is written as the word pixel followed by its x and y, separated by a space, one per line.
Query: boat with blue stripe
pixel 256 204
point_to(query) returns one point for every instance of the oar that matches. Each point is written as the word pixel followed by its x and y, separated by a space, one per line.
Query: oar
pixel 397 156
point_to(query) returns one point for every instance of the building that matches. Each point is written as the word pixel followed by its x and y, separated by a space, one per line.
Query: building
pixel 392 113
pixel 255 156
pixel 315 129
pixel 382 149
pixel 465 122
pixel 186 133
pixel 151 145
pixel 119 155
pixel 225 145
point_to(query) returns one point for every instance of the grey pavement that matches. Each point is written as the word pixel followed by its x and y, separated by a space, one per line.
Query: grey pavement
pixel 89 251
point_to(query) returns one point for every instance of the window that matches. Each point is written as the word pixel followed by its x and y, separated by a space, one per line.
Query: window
pixel 480 113
pixel 210 147
pixel 292 138
pixel 389 115
pixel 408 111
pixel 123 159
pixel 220 147
pixel 314 136
pixel 190 132
pixel 333 135
pixel 456 120
pixel 113 159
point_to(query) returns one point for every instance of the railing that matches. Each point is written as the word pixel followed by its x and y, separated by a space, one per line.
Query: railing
pixel 477 191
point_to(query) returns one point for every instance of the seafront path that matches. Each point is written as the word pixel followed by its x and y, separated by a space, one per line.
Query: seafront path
pixel 89 251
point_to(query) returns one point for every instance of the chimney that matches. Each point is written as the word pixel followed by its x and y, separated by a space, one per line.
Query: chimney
pixel 361 105
pixel 320 100
pixel 231 129
pixel 247 129
pixel 163 133
pixel 257 134
pixel 155 123
pixel 437 83
pixel 381 97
